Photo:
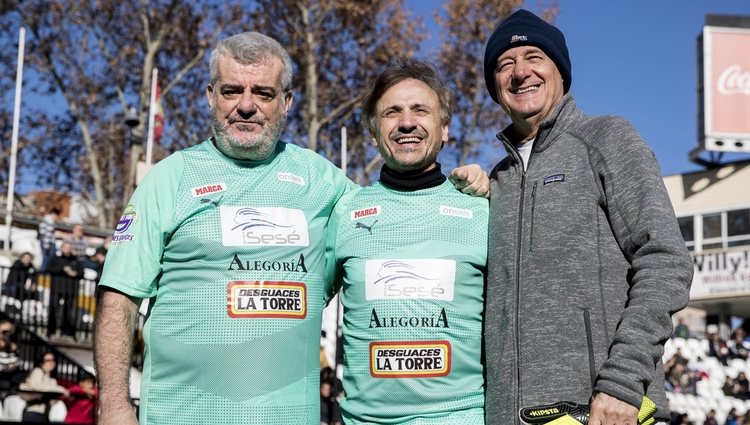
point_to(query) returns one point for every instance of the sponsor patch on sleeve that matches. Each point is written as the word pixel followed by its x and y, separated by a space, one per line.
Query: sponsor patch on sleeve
pixel 128 218
pixel 410 359
pixel 267 299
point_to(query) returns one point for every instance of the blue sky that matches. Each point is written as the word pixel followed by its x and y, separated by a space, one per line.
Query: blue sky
pixel 636 59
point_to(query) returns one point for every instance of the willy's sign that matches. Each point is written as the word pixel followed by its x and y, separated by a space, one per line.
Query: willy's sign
pixel 726 87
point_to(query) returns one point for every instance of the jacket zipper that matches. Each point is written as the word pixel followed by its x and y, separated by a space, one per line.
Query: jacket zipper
pixel 533 207
pixel 512 150
pixel 517 295
pixel 590 346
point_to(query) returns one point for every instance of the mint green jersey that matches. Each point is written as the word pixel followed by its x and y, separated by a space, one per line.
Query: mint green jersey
pixel 232 255
pixel 411 267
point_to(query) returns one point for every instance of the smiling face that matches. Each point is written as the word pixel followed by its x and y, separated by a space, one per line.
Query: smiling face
pixel 248 107
pixel 409 130
pixel 528 86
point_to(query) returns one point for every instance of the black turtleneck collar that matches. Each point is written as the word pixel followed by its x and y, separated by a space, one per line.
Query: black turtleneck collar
pixel 411 180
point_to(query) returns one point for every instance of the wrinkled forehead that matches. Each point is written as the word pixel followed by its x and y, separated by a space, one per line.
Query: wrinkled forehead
pixel 266 71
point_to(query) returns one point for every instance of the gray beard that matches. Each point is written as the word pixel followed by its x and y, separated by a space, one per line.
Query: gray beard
pixel 257 150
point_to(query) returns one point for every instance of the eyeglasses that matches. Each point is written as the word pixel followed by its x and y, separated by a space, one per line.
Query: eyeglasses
pixel 49 360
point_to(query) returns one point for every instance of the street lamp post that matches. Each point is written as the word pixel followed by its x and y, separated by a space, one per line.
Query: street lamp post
pixel 135 148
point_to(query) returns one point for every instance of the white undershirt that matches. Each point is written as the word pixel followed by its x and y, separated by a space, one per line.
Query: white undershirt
pixel 524 149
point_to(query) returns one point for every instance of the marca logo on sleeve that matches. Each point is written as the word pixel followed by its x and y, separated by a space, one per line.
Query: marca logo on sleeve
pixel 417 278
pixel 209 188
pixel 267 299
pixel 410 359
pixel 365 212
pixel 249 226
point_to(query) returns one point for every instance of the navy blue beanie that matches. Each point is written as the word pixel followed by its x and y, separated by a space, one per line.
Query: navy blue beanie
pixel 523 28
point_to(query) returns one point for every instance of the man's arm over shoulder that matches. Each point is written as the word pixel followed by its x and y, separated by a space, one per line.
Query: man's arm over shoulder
pixel 471 179
pixel 644 224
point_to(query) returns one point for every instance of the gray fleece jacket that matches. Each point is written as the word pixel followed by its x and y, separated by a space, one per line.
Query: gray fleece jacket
pixel 586 267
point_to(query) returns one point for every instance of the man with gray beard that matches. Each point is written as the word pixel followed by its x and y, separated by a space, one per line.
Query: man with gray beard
pixel 226 341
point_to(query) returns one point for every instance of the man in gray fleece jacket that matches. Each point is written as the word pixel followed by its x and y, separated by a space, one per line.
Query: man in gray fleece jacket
pixel 586 261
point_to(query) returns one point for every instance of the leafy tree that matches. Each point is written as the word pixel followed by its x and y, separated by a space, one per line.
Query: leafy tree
pixel 338 46
pixel 92 61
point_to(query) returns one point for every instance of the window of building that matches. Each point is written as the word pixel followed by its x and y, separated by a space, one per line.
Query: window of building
pixel 712 231
pixel 738 227
pixel 716 230
pixel 687 224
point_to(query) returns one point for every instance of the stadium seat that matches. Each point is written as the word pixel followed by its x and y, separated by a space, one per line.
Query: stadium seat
pixel 57 412
pixel 13 408
pixel 739 405
pixel 696 347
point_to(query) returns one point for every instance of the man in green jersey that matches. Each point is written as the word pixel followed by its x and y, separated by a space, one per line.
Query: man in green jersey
pixel 409 254
pixel 226 240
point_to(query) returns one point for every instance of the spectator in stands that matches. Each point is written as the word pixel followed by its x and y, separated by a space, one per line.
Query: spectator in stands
pixel 711 418
pixel 8 348
pixel 10 364
pixel 326 401
pixel 678 418
pixel 46 237
pixel 81 402
pixel 741 387
pixel 732 417
pixel 66 271
pixel 738 348
pixel 699 366
pixel 96 263
pixel 66 264
pixel 717 347
pixel 19 272
pixel 679 358
pixel 78 240
pixel 728 387
pixel 681 330
pixel 670 384
pixel 41 380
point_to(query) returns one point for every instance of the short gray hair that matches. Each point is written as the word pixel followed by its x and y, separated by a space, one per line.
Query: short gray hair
pixel 250 48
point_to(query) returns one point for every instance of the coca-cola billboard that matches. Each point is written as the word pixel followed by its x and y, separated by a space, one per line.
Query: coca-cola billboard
pixel 726 89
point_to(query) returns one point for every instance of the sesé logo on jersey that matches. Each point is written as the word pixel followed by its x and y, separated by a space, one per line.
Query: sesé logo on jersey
pixel 410 278
pixel 263 226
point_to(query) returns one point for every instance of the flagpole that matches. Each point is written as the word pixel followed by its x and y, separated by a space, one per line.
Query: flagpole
pixel 14 138
pixel 151 117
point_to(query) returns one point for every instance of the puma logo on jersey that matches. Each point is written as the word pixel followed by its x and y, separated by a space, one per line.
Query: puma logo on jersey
pixel 361 225
pixel 212 202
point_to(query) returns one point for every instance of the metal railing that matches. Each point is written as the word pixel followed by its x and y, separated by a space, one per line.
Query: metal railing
pixel 49 305
pixel 60 308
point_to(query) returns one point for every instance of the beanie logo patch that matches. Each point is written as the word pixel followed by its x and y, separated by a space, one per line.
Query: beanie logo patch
pixel 517 38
